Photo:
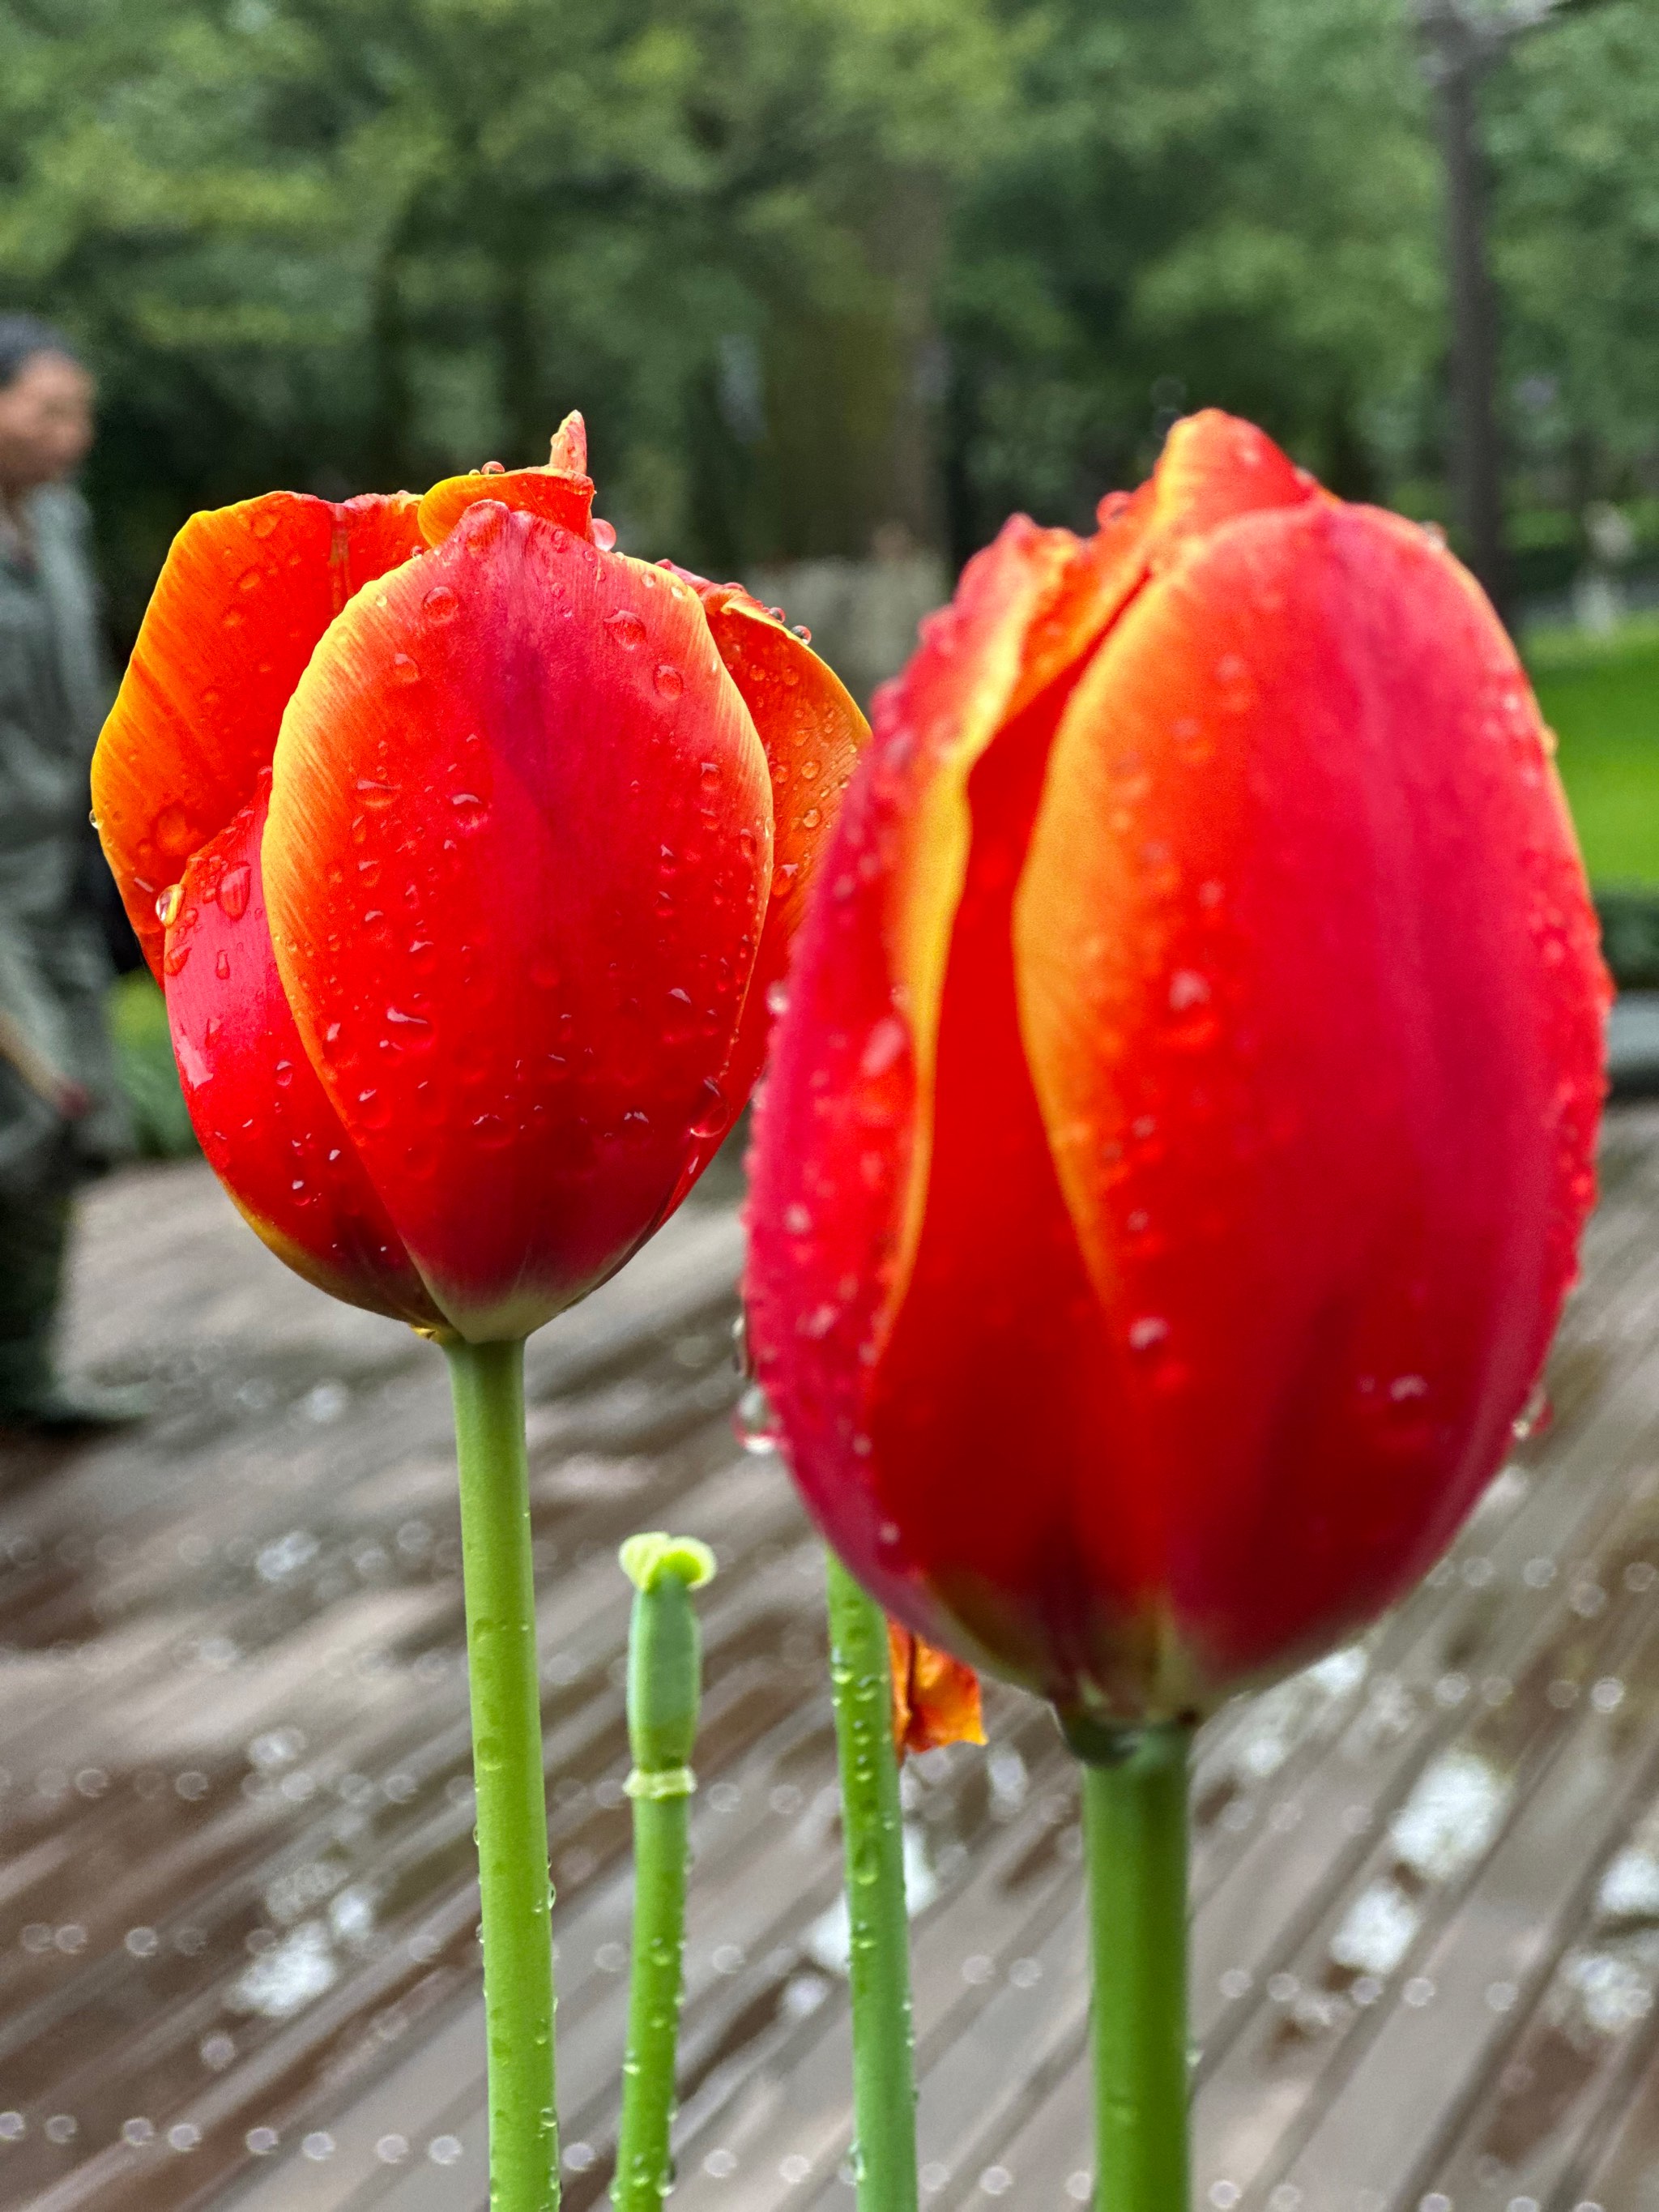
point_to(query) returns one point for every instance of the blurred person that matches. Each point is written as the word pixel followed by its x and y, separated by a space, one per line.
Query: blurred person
pixel 62 1116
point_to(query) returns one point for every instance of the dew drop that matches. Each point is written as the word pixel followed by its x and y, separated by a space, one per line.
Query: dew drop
pixel 605 533
pixel 176 958
pixel 627 628
pixel 440 604
pixel 167 906
pixel 469 809
pixel 264 523
pixel 755 1421
pixel 221 967
pixel 171 830
pixel 493 469
pixel 374 795
pixel 668 680
pixel 404 669
pixel 714 1117
pixel 234 887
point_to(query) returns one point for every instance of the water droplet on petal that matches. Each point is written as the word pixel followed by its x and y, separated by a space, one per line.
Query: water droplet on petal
pixel 605 533
pixel 493 469
pixel 627 628
pixel 714 1117
pixel 235 887
pixel 440 604
pixel 404 669
pixel 376 796
pixel 221 967
pixel 755 1422
pixel 668 680
pixel 167 906
pixel 171 830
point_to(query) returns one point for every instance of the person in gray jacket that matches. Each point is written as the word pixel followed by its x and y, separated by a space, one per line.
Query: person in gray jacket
pixel 61 1116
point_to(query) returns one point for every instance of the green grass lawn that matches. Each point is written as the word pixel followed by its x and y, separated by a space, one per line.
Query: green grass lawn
pixel 1601 695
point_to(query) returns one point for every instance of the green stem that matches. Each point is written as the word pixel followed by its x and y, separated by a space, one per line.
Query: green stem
pixel 664 1684
pixel 884 2082
pixel 487 1383
pixel 1134 1825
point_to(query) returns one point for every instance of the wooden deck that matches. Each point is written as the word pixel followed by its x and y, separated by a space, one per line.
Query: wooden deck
pixel 237 1958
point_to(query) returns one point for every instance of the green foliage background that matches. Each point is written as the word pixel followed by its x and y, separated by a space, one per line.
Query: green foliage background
pixel 808 265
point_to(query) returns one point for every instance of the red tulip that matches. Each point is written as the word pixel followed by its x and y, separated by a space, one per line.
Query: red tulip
pixel 465 848
pixel 1177 1144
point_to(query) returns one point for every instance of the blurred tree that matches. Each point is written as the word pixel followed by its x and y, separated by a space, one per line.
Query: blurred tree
pixel 1572 123
pixel 785 254
pixel 333 243
pixel 1202 201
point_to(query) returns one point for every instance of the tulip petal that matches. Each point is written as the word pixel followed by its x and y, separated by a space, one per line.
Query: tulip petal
pixel 1296 1032
pixel 560 491
pixel 518 856
pixel 244 595
pixel 813 733
pixel 263 1119
pixel 935 1697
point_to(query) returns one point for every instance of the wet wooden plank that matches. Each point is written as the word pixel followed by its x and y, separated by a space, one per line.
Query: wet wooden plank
pixel 236 1906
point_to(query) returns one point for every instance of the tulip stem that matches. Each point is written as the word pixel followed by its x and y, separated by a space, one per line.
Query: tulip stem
pixel 1134 1825
pixel 487 1384
pixel 878 1964
pixel 665 1688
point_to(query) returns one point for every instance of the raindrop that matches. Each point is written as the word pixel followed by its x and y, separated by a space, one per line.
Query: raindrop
pixel 221 967
pixel 755 1421
pixel 171 830
pixel 374 795
pixel 490 469
pixel 469 809
pixel 265 522
pixel 714 1117
pixel 234 887
pixel 668 680
pixel 605 533
pixel 802 633
pixel 440 604
pixel 167 906
pixel 404 669
pixel 627 628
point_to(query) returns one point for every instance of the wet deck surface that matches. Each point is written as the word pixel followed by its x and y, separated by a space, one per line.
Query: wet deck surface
pixel 237 1965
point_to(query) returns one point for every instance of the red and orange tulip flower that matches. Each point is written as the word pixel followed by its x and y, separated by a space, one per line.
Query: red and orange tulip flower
pixel 465 848
pixel 1177 1144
